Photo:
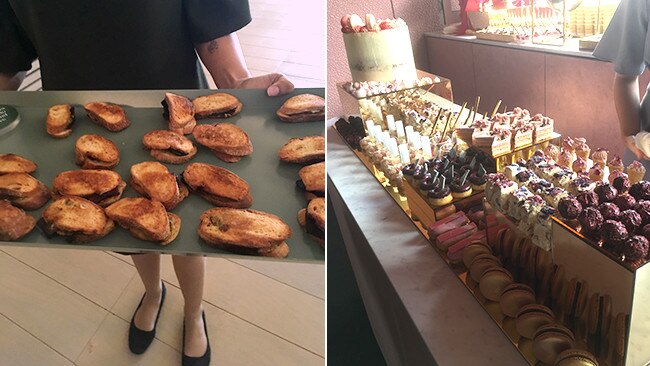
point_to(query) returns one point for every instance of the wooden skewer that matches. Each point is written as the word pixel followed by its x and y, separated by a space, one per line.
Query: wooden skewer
pixel 459 114
pixel 505 109
pixel 435 123
pixel 469 114
pixel 444 131
pixel 478 103
pixel 496 109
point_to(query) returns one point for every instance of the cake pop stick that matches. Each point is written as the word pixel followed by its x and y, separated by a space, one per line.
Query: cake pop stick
pixel 469 114
pixel 505 108
pixel 496 109
pixel 478 103
pixel 459 114
pixel 444 131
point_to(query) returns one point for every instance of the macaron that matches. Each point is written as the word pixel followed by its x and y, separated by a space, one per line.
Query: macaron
pixel 514 297
pixel 480 264
pixel 550 340
pixel 506 245
pixel 575 303
pixel 471 284
pixel 493 281
pixel 599 320
pixel 525 346
pixel 510 328
pixel 552 287
pixel 493 308
pixel 515 257
pixel 472 250
pixel 531 317
pixel 575 357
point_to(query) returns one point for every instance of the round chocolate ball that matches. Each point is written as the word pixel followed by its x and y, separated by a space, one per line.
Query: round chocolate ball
pixel 569 208
pixel 641 190
pixel 613 231
pixel 590 219
pixel 643 208
pixel 606 192
pixel 625 201
pixel 621 183
pixel 588 199
pixel 631 219
pixel 635 248
pixel 609 211
pixel 646 231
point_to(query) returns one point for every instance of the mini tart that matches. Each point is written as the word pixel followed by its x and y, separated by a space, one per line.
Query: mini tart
pixel 408 172
pixel 460 191
pixel 440 196
pixel 478 183
pixel 426 185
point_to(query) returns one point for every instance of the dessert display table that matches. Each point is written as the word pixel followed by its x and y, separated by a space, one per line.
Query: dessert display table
pixel 420 311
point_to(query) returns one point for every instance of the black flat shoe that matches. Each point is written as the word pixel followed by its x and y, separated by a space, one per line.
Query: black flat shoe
pixel 197 361
pixel 140 340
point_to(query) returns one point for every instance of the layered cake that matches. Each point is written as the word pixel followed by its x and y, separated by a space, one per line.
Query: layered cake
pixel 378 50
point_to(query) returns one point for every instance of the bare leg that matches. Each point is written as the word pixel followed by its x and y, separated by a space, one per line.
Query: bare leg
pixel 148 266
pixel 190 271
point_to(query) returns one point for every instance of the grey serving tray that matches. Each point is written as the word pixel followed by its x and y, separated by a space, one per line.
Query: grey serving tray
pixel 272 182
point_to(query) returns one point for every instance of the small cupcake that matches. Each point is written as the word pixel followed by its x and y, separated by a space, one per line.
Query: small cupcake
pixel 582 151
pixel 441 195
pixel 579 165
pixel 600 156
pixel 478 179
pixel 613 174
pixel 428 183
pixel 622 184
pixel 566 158
pixel 419 174
pixel 635 171
pixel 552 151
pixel 596 173
pixel 408 172
pixel 616 164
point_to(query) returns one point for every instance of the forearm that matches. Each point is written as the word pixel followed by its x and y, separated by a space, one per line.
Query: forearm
pixel 628 106
pixel 11 82
pixel 224 60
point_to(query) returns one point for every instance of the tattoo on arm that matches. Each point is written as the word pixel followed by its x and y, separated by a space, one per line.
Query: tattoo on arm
pixel 212 46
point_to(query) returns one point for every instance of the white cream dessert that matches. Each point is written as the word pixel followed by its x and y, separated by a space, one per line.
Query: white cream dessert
pixel 378 50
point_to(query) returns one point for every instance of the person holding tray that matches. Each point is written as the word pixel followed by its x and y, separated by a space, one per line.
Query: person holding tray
pixel 626 43
pixel 116 45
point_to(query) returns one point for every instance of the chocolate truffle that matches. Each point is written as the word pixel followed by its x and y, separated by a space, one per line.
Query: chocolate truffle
pixel 613 231
pixel 609 211
pixel 631 219
pixel 590 219
pixel 588 199
pixel 606 192
pixel 646 231
pixel 625 201
pixel 635 248
pixel 569 208
pixel 621 183
pixel 643 208
pixel 641 190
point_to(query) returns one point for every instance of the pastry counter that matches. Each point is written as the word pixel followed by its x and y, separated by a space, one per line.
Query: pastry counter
pixel 421 313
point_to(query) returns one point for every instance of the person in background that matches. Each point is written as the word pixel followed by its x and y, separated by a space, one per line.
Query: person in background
pixel 122 44
pixel 626 43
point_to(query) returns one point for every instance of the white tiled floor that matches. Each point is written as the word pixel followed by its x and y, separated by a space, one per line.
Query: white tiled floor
pixel 73 307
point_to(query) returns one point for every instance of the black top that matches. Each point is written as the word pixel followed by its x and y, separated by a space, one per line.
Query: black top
pixel 114 44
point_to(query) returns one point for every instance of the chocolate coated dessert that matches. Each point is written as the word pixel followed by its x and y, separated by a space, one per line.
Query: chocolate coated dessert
pixel 643 208
pixel 622 184
pixel 609 211
pixel 631 219
pixel 569 208
pixel 606 192
pixel 625 201
pixel 635 248
pixel 588 199
pixel 409 170
pixel 640 190
pixel 591 220
pixel 613 231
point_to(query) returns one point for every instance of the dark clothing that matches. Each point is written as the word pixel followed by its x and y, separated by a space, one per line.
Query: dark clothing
pixel 114 44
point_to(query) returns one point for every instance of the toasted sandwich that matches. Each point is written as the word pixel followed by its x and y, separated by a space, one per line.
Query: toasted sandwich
pixel 12 163
pixel 302 108
pixel 152 180
pixel 96 152
pixel 219 186
pixel 245 231
pixel 312 180
pixel 217 105
pixel 312 219
pixel 169 147
pixel 23 190
pixel 59 120
pixel 179 111
pixel 108 115
pixel 77 219
pixel 102 187
pixel 14 222
pixel 145 219
pixel 227 141
pixel 303 150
